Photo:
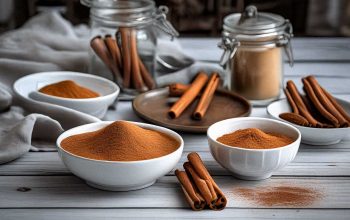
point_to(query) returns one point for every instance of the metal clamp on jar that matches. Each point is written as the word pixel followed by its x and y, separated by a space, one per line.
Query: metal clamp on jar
pixel 129 30
pixel 253 58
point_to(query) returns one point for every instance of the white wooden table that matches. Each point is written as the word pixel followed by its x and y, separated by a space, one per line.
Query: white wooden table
pixel 57 194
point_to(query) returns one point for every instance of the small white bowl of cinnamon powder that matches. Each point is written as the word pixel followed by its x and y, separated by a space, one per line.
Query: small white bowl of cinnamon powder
pixel 79 91
pixel 253 148
pixel 120 155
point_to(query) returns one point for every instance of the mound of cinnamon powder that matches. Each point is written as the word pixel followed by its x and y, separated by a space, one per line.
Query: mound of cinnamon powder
pixel 290 196
pixel 121 141
pixel 254 138
pixel 68 89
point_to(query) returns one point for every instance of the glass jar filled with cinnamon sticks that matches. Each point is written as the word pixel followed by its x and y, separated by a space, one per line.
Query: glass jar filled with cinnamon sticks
pixel 253 45
pixel 123 41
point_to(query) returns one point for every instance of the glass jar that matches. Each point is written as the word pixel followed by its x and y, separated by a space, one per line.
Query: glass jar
pixel 253 57
pixel 128 28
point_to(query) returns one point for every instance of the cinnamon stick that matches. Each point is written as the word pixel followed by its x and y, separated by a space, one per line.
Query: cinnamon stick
pixel 300 104
pixel 337 105
pixel 219 200
pixel 291 102
pixel 135 65
pixel 146 76
pixel 317 103
pixel 187 98
pixel 177 89
pixel 199 187
pixel 326 102
pixel 294 118
pixel 192 195
pixel 206 97
pixel 125 41
pixel 114 50
pixel 100 49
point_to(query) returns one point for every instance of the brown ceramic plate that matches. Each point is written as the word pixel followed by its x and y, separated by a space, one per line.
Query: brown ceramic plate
pixel 153 106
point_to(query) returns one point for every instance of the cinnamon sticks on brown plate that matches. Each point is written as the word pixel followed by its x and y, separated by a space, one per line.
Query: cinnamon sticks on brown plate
pixel 318 108
pixel 121 56
pixel 199 187
pixel 188 93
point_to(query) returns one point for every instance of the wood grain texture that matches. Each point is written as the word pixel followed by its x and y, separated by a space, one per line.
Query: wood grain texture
pixel 71 192
pixel 57 194
pixel 308 162
pixel 228 213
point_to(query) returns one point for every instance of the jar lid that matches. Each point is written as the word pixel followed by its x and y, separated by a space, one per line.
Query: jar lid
pixel 255 29
pixel 252 22
pixel 121 12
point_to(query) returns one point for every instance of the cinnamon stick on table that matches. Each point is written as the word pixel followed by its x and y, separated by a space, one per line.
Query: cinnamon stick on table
pixel 125 41
pixel 187 98
pixel 207 96
pixel 200 185
pixel 193 197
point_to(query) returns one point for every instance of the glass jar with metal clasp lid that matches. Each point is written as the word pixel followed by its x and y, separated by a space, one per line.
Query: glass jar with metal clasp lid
pixel 253 44
pixel 124 40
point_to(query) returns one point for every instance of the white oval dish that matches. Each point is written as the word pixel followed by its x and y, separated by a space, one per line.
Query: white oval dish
pixel 252 164
pixel 312 136
pixel 115 175
pixel 29 85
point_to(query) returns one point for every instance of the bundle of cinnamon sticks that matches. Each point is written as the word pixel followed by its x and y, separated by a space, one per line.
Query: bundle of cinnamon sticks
pixel 318 108
pixel 189 93
pixel 199 188
pixel 121 56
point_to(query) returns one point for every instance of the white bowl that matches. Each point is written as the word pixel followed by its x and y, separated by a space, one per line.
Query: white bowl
pixel 29 85
pixel 313 136
pixel 115 175
pixel 252 164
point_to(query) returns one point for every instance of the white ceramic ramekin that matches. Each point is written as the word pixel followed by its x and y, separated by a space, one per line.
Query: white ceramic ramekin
pixel 28 86
pixel 252 164
pixel 313 136
pixel 119 176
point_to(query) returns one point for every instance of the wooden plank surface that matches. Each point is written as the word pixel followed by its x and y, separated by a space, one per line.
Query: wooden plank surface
pixel 228 213
pixel 57 194
pixel 309 162
pixel 71 192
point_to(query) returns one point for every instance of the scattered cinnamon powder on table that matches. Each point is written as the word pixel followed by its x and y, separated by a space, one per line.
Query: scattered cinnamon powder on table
pixel 254 138
pixel 292 196
pixel 68 89
pixel 121 141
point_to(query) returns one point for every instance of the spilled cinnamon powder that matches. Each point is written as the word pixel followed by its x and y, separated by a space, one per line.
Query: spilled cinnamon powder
pixel 254 138
pixel 290 196
pixel 68 89
pixel 121 141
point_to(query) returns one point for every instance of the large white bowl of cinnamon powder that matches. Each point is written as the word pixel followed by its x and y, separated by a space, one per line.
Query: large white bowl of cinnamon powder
pixel 253 148
pixel 120 155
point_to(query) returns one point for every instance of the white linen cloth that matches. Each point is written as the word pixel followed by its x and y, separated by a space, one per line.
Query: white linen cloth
pixel 48 42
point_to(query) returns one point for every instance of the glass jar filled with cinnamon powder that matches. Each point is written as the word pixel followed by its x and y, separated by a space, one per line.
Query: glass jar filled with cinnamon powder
pixel 123 41
pixel 253 44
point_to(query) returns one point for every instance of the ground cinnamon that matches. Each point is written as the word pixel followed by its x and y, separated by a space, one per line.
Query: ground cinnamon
pixel 68 89
pixel 290 196
pixel 254 138
pixel 121 141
